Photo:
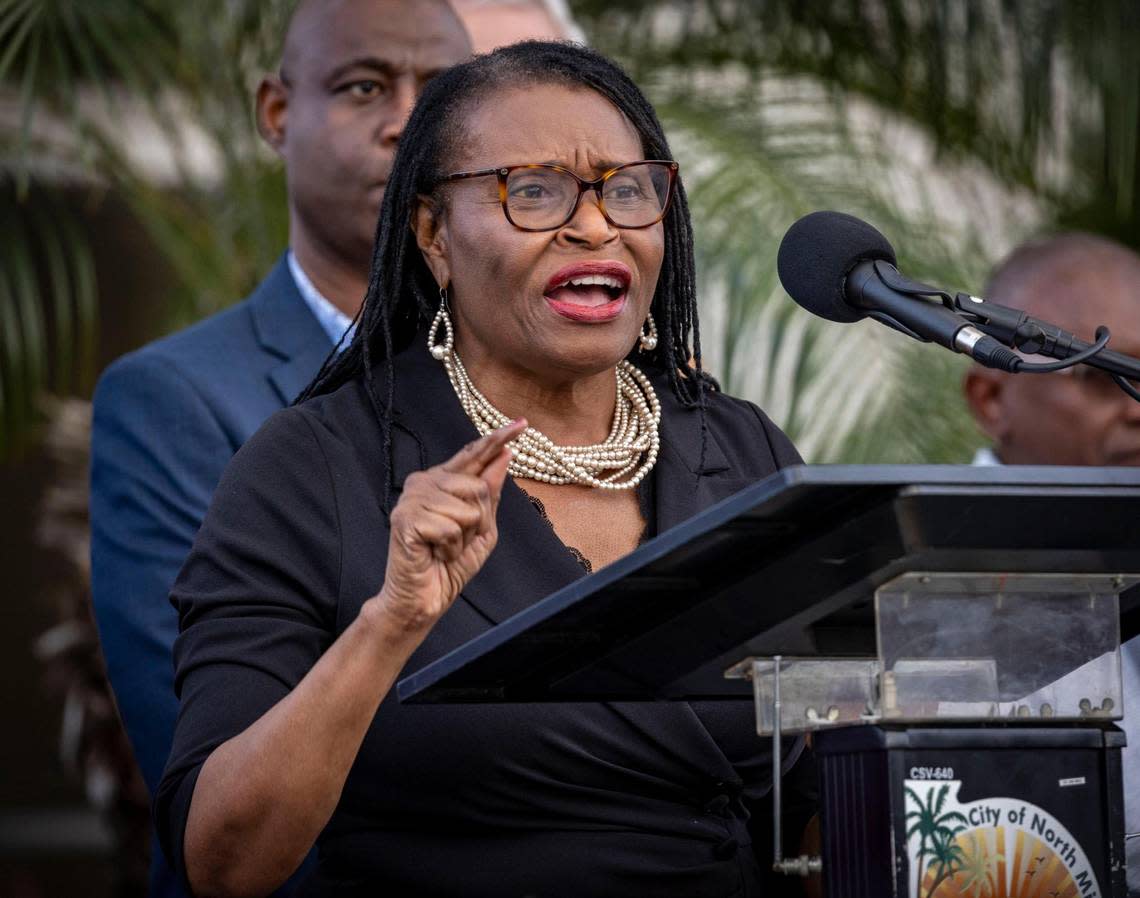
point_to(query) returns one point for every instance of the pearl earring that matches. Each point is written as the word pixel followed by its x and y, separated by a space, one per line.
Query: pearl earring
pixel 649 335
pixel 440 351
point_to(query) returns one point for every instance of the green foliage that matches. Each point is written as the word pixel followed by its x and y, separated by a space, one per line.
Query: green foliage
pixel 936 832
pixel 955 128
pixel 47 311
pixel 1015 85
pixel 948 854
pixel 54 50
pixel 151 100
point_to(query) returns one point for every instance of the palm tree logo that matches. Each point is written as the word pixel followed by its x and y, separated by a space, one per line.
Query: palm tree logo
pixel 948 854
pixel 980 867
pixel 936 832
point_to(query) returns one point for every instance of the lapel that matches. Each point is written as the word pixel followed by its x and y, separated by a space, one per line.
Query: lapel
pixel 683 484
pixel 286 328
pixel 530 562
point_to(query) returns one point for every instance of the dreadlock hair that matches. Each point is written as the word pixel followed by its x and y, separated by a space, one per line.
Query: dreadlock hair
pixel 402 295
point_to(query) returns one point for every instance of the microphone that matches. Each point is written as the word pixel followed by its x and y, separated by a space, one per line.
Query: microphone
pixel 842 269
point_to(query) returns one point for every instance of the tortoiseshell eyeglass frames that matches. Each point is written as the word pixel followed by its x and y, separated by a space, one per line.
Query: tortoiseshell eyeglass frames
pixel 544 197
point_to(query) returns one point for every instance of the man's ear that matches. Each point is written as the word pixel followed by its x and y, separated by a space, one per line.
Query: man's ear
pixel 429 224
pixel 983 392
pixel 272 107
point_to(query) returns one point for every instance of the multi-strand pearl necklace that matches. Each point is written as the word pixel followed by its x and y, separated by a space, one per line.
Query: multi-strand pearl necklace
pixel 629 452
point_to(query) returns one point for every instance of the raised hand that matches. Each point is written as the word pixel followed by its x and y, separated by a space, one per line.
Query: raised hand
pixel 443 530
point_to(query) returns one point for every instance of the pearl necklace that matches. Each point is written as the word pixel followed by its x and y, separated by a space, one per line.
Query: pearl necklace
pixel 630 450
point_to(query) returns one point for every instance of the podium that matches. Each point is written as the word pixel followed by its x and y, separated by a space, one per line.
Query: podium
pixel 949 636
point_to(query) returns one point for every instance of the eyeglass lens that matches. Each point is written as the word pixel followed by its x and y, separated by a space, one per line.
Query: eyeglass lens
pixel 1095 381
pixel 544 197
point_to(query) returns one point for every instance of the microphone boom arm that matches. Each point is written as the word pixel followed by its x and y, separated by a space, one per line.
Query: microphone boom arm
pixel 1017 329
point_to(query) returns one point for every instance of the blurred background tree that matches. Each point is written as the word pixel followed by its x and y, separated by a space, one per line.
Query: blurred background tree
pixel 956 127
pixel 138 104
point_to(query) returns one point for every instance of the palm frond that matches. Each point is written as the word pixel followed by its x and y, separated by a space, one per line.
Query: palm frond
pixel 754 165
pixel 53 49
pixel 47 302
pixel 948 126
pixel 1042 93
pixel 89 77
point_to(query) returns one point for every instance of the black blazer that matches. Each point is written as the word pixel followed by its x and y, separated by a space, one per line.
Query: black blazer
pixel 496 800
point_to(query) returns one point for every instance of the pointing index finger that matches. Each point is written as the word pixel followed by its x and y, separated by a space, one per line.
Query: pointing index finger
pixel 475 456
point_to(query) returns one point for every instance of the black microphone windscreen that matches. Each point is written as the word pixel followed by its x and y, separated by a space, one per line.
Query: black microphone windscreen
pixel 816 256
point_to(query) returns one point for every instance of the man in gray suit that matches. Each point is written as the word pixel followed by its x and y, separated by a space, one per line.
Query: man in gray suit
pixel 1074 417
pixel 169 417
pixel 1077 416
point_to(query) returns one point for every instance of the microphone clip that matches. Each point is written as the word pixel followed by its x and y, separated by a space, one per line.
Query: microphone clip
pixel 900 283
pixel 878 289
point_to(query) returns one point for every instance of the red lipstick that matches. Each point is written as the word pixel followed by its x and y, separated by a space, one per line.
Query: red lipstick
pixel 589 292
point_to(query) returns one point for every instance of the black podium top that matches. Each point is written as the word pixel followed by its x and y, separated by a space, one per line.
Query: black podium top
pixel 789 566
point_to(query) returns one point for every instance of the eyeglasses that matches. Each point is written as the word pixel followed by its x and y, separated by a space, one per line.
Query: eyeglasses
pixel 543 197
pixel 1095 382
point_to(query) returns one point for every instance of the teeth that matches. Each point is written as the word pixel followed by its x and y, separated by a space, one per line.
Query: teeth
pixel 601 280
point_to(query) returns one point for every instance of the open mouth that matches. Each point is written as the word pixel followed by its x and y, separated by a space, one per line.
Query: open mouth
pixel 589 291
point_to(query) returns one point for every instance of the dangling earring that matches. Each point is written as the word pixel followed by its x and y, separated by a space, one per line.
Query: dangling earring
pixel 649 335
pixel 440 351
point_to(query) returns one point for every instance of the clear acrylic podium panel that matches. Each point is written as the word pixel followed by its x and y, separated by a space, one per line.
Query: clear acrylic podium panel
pixel 963 647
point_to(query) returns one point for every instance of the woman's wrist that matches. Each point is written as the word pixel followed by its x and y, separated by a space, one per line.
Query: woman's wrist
pixel 389 629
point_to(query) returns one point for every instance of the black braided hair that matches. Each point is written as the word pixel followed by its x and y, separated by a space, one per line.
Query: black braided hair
pixel 402 294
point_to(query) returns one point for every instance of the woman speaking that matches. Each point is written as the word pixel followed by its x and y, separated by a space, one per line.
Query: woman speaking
pixel 522 402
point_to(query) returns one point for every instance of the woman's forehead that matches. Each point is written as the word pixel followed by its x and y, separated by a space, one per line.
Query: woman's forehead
pixel 571 126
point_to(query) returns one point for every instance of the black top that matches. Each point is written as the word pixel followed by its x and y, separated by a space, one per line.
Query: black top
pixel 496 800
